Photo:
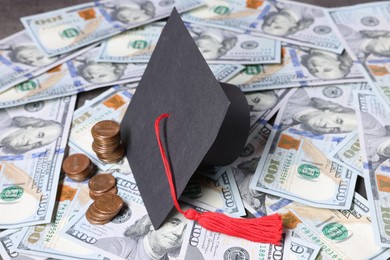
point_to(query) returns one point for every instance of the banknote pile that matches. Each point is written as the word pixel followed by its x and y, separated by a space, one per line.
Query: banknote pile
pixel 317 82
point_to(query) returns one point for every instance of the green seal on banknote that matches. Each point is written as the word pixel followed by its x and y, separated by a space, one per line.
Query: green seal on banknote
pixel 252 69
pixel 221 9
pixel 335 231
pixel 11 193
pixel 308 171
pixel 139 44
pixel 70 33
pixel 26 86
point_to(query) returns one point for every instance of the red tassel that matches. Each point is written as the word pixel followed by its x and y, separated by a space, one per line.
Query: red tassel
pixel 266 229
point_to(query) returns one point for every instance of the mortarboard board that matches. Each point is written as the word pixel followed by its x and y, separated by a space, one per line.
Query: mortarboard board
pixel 208 124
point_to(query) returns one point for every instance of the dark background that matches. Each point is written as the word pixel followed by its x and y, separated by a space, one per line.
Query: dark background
pixel 12 10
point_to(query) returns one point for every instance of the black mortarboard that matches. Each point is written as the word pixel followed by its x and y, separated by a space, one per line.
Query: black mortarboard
pixel 208 123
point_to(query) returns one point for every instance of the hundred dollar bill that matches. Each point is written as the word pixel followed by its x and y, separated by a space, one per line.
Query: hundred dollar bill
pixel 374 136
pixel 84 74
pixel 70 28
pixel 217 46
pixel 77 75
pixel 44 240
pixel 348 154
pixel 200 243
pixel 288 21
pixel 33 139
pixel 365 31
pixel 296 248
pixel 311 124
pixel 222 194
pixel 338 232
pixel 300 67
pixel 21 60
pixel 130 235
pixel 7 244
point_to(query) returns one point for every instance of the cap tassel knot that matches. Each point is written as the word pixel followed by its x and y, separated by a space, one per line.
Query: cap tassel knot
pixel 267 229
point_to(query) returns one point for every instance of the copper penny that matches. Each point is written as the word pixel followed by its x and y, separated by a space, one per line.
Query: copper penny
pixel 76 163
pixel 105 128
pixel 101 216
pixel 108 203
pixel 102 182
pixel 93 220
pixel 95 195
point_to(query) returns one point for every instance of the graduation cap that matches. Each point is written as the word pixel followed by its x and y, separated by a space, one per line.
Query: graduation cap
pixel 208 121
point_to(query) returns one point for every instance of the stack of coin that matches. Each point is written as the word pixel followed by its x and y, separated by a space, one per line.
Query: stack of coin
pixel 107 141
pixel 104 208
pixel 102 184
pixel 78 167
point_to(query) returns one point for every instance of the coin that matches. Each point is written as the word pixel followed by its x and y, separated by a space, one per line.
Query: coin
pixel 105 128
pixel 95 195
pixel 92 219
pixel 76 163
pixel 108 203
pixel 102 183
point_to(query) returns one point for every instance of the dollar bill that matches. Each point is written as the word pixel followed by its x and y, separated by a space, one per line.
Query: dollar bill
pixel 306 129
pixel 70 28
pixel 130 235
pixel 364 29
pixel 77 75
pixel 288 21
pixel 83 74
pixel 33 140
pixel 374 136
pixel 301 66
pixel 348 154
pixel 338 232
pixel 200 243
pixel 296 248
pixel 21 60
pixel 222 194
pixel 217 46
pixel 44 240
pixel 7 245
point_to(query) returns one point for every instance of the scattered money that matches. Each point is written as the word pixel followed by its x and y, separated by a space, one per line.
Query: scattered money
pixel 364 29
pixel 20 60
pixel 288 21
pixel 374 136
pixel 300 66
pixel 217 46
pixel 70 28
pixel 311 123
pixel 66 80
pixel 338 232
pixel 107 141
pixel 102 184
pixel 44 240
pixel 78 167
pixel 33 140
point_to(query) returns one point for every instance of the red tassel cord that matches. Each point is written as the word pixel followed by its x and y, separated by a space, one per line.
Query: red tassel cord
pixel 266 229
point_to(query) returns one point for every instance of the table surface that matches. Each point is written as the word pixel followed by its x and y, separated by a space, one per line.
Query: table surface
pixel 12 10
